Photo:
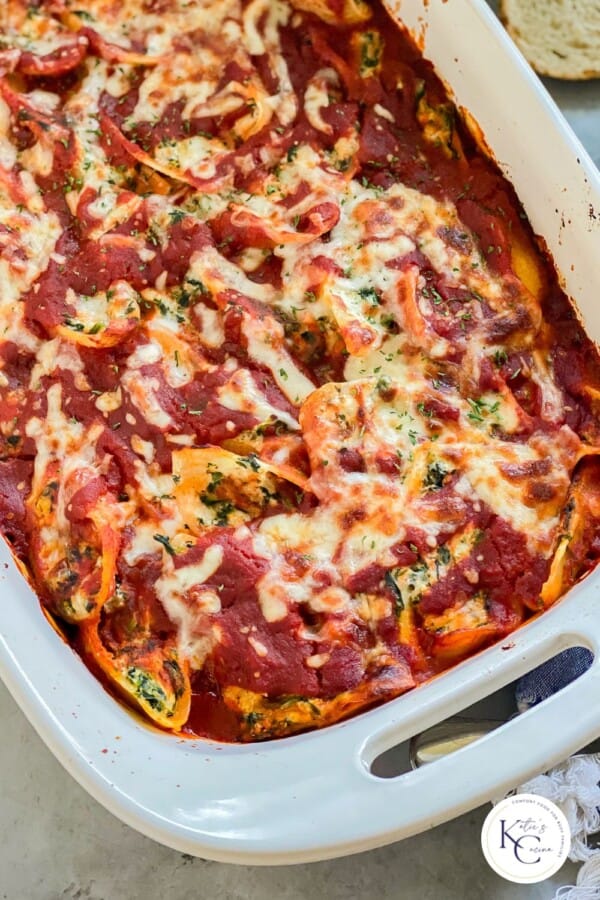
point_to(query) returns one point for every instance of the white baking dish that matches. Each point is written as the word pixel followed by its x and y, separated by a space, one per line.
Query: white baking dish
pixel 312 796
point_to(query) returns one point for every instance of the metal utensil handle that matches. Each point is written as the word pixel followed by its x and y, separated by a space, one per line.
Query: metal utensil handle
pixel 448 737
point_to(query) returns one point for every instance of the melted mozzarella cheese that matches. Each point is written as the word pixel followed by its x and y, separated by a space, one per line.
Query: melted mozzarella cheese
pixel 122 24
pixel 241 394
pixel 63 439
pixel 143 391
pixel 175 75
pixel 26 247
pixel 553 400
pixel 58 354
pixel 173 588
pixel 219 274
pixel 265 345
pixel 38 159
pixel 316 97
pixel 211 326
pixel 197 154
pixel 370 419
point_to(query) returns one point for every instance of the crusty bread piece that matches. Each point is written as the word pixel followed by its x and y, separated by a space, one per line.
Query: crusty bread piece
pixel 560 38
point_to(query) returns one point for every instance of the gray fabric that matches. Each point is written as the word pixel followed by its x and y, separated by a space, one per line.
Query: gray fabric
pixel 551 676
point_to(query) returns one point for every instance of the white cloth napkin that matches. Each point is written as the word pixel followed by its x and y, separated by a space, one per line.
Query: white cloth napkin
pixel 573 785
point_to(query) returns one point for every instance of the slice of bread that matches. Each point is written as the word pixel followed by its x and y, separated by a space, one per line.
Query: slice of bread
pixel 560 38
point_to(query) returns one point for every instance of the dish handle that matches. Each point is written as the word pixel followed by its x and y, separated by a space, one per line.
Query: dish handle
pixel 487 769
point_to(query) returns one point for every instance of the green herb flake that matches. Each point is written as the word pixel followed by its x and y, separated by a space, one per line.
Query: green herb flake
pixel 390 582
pixel 436 475
pixel 147 688
pixel 165 542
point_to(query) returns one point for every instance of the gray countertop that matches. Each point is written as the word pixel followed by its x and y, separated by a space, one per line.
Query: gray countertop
pixel 56 842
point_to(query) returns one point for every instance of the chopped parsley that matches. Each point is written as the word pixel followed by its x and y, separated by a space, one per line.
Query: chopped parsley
pixel 73 324
pixel 222 510
pixel 249 462
pixel 390 583
pixel 72 183
pixel 166 543
pixel 216 478
pixel 480 410
pixel 370 294
pixel 436 476
pixel 443 555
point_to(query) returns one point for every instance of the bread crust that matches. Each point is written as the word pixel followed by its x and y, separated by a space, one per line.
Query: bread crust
pixel 549 35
